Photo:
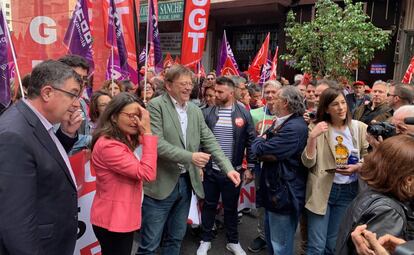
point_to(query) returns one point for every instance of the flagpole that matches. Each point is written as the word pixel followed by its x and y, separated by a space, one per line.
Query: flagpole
pixel 112 50
pixel 146 53
pixel 13 54
pixel 112 70
pixel 263 121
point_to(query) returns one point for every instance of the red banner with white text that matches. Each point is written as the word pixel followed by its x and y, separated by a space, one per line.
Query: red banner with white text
pixel 195 31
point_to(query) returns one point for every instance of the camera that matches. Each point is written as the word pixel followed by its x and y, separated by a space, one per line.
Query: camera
pixel 312 115
pixel 383 129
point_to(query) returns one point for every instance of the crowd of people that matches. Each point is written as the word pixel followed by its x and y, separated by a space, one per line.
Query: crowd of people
pixel 328 157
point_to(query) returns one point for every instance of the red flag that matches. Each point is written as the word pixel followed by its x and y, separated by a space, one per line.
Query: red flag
pixel 409 73
pixel 177 60
pixel 199 70
pixel 259 60
pixel 229 68
pixel 273 70
pixel 195 31
pixel 168 60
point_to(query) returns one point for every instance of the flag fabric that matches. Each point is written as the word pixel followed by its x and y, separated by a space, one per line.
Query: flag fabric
pixel 177 60
pixel 117 67
pixel 273 70
pixel 228 68
pixel 155 53
pixel 226 62
pixel 199 70
pixel 168 60
pixel 5 96
pixel 259 60
pixel 266 69
pixel 194 32
pixel 409 73
pixel 78 37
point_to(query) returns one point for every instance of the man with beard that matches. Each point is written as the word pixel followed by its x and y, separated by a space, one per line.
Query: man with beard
pixel 233 128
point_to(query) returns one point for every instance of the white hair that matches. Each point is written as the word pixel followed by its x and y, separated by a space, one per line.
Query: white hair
pixel 407 110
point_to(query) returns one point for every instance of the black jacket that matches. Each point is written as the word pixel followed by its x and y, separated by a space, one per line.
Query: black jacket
pixel 352 101
pixel 283 177
pixel 38 209
pixel 243 133
pixel 382 214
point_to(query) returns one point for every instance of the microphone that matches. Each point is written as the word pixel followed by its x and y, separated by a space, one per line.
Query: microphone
pixel 409 120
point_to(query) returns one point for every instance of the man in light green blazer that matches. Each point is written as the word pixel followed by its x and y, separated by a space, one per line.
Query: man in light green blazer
pixel 182 132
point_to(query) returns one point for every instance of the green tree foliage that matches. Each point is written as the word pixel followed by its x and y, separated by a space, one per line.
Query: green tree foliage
pixel 335 42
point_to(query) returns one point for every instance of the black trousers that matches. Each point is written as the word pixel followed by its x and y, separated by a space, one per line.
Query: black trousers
pixel 113 243
pixel 215 182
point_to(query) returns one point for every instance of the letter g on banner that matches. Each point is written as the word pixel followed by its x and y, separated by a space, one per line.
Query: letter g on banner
pixel 49 33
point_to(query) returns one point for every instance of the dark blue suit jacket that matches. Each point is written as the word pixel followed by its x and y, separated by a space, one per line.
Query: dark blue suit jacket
pixel 283 172
pixel 38 209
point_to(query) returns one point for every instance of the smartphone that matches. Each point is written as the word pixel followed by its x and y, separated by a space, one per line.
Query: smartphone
pixel 330 170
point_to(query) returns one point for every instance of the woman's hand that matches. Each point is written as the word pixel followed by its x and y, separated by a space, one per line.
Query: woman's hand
pixel 390 242
pixel 349 169
pixel 144 124
pixel 362 245
pixel 319 129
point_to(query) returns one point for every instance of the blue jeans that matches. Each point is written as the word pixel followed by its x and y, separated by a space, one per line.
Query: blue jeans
pixel 280 232
pixel 323 229
pixel 166 219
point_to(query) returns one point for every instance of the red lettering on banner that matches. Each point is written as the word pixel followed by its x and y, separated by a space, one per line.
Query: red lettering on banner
pixel 249 194
pixel 92 249
pixel 195 29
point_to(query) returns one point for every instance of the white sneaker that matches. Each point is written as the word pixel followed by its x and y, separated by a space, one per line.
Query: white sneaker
pixel 203 248
pixel 235 248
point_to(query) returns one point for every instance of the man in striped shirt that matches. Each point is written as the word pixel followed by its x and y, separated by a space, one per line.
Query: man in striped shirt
pixel 233 128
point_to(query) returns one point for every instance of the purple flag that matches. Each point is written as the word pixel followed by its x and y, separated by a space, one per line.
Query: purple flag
pixel 115 38
pixel 141 58
pixel 78 37
pixel 5 97
pixel 225 51
pixel 114 70
pixel 155 57
pixel 266 70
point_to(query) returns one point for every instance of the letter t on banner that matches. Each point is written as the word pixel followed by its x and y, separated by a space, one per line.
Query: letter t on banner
pixel 195 31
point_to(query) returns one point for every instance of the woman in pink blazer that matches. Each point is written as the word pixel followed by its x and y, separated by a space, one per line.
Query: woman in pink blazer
pixel 116 208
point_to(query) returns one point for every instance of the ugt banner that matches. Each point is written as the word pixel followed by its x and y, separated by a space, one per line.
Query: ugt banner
pixel 194 33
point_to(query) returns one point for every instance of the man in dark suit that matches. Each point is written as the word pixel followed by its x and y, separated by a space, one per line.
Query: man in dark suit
pixel 283 178
pixel 38 209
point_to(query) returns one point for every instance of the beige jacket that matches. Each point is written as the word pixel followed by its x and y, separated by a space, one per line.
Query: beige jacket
pixel 319 182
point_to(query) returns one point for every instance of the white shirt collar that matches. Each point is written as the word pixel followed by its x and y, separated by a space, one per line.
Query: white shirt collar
pixel 175 102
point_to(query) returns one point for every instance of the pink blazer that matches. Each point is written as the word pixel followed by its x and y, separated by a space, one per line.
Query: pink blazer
pixel 119 176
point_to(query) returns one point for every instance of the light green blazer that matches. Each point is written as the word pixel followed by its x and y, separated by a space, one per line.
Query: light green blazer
pixel 171 149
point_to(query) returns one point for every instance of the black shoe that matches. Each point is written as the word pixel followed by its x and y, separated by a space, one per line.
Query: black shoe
pixel 257 245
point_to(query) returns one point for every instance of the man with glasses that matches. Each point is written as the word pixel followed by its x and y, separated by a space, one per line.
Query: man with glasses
pixel 38 188
pixel 182 132
pixel 399 95
pixel 81 66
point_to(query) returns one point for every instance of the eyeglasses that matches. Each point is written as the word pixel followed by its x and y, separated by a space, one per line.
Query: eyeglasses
pixel 85 79
pixel 70 94
pixel 210 79
pixel 391 95
pixel 185 84
pixel 131 116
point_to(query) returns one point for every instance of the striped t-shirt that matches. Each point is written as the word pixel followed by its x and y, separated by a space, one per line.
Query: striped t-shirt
pixel 223 131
